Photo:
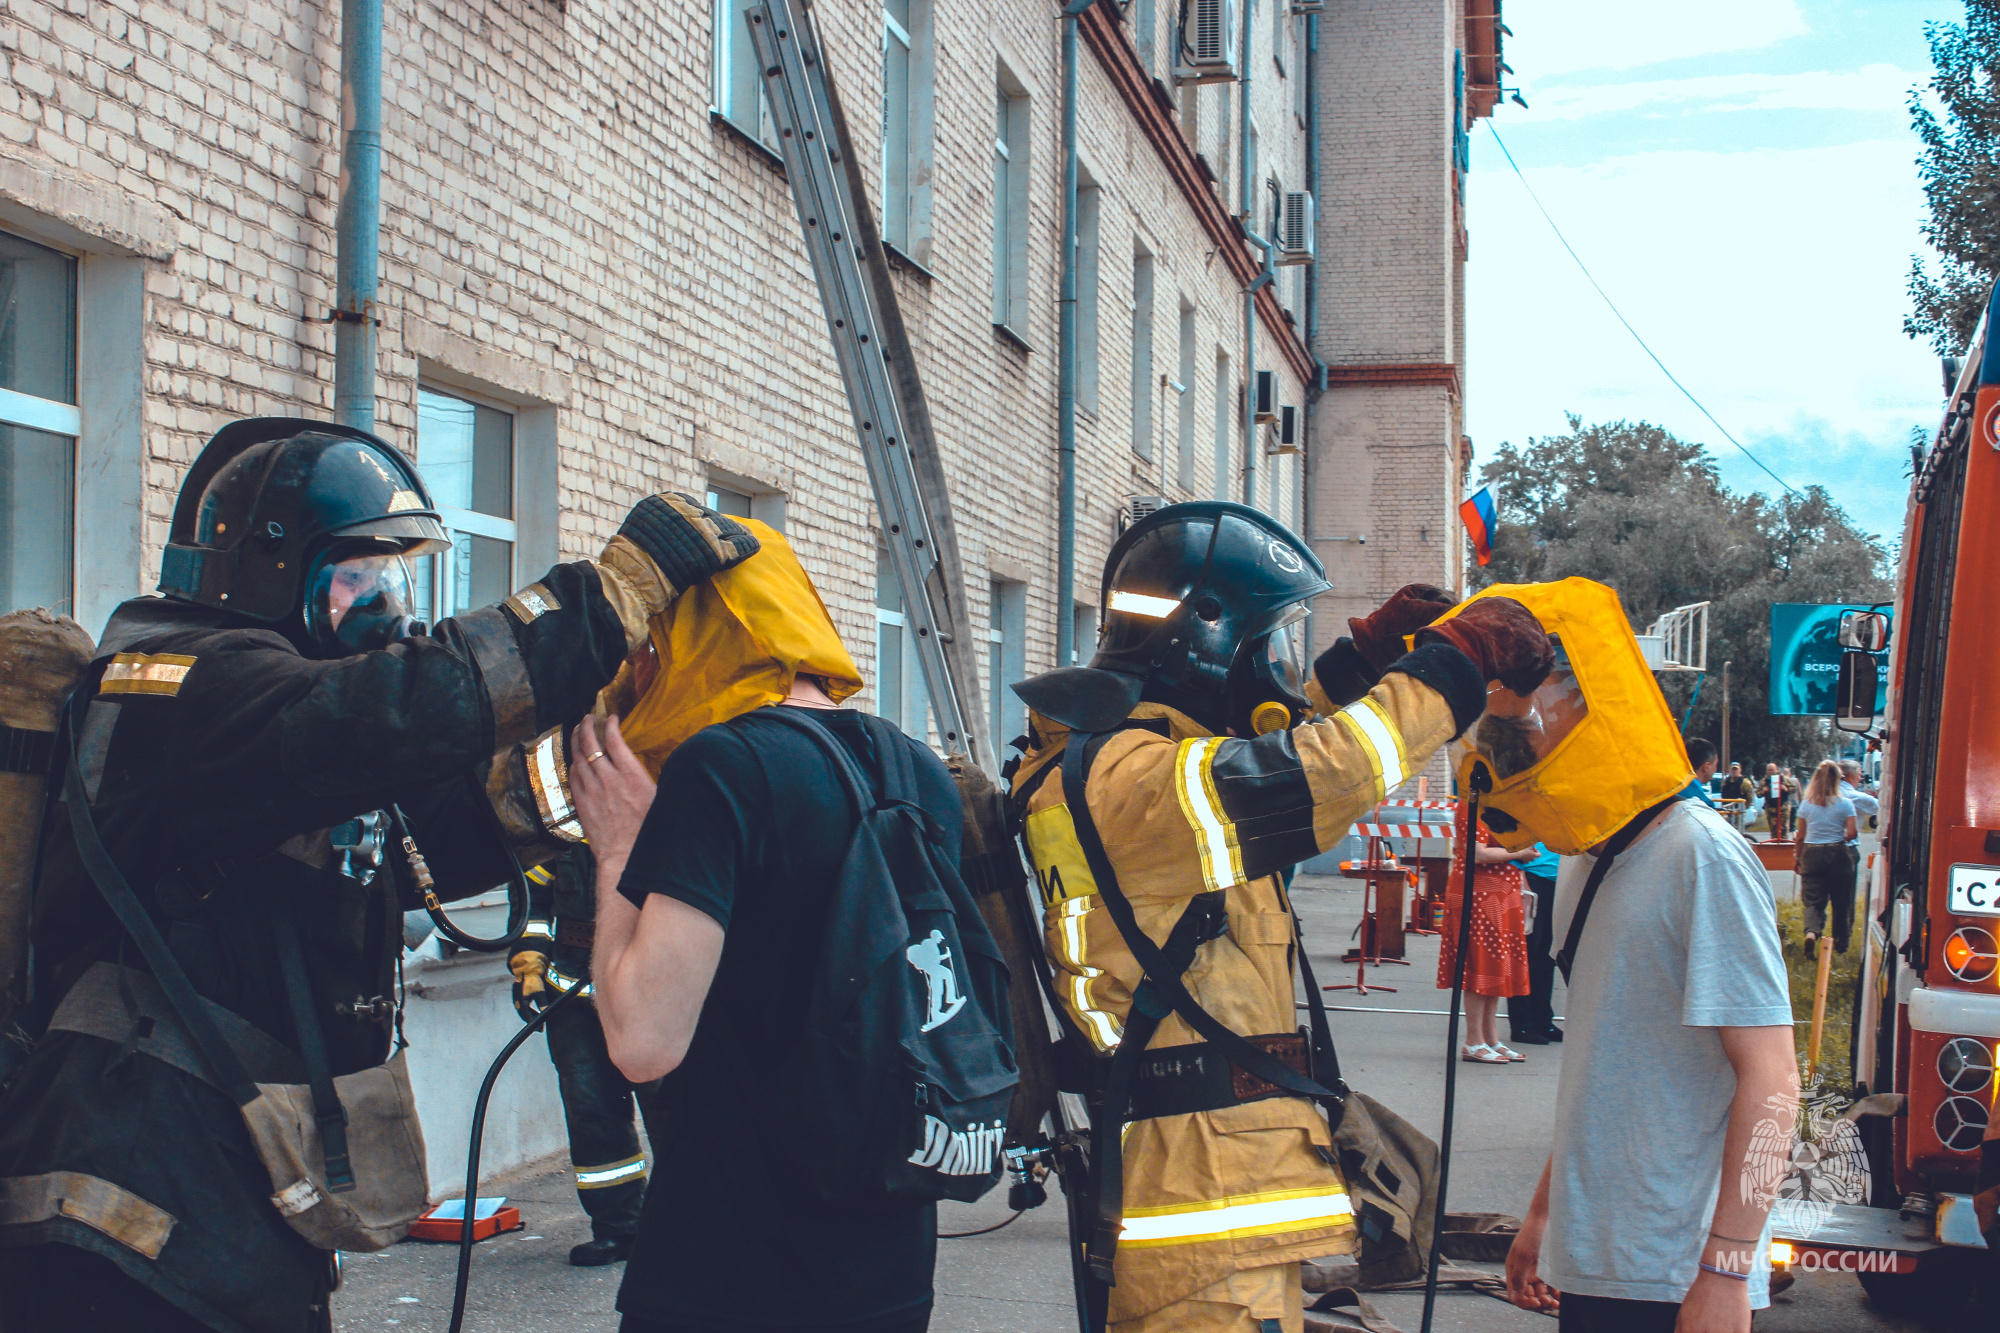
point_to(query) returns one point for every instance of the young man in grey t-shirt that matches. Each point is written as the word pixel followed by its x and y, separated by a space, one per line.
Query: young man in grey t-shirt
pixel 1678 1094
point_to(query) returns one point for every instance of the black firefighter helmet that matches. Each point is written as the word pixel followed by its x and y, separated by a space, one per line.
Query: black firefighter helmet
pixel 1195 606
pixel 281 517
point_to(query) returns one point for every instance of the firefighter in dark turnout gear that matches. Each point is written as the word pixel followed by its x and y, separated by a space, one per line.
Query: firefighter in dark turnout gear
pixel 553 956
pixel 236 730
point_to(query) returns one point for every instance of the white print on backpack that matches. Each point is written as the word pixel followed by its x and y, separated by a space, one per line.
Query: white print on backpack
pixel 931 958
pixel 962 1152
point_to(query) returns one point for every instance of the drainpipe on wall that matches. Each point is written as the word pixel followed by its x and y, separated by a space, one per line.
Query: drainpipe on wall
pixel 1066 366
pixel 358 224
pixel 1246 178
pixel 1306 455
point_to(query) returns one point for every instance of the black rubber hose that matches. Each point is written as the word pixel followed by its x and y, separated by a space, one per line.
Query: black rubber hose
pixel 472 1150
pixel 1479 782
pixel 517 886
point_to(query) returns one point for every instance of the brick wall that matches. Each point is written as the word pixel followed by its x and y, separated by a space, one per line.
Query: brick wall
pixel 565 223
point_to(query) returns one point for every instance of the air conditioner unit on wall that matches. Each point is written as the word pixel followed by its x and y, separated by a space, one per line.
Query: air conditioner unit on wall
pixel 1267 395
pixel 1207 43
pixel 1296 228
pixel 1137 507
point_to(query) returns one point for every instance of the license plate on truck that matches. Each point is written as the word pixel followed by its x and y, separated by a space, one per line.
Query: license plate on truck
pixel 1975 891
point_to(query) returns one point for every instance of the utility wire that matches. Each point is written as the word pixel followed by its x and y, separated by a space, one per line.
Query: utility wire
pixel 1585 269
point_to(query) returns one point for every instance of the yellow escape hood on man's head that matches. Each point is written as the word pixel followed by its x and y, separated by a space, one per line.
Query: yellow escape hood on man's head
pixel 734 643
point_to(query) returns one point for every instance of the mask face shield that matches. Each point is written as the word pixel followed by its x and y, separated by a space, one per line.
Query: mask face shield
pixel 1517 732
pixel 1267 688
pixel 358 599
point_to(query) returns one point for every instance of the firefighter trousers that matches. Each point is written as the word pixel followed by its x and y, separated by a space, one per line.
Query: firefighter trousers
pixel 604 1149
pixel 1254 1300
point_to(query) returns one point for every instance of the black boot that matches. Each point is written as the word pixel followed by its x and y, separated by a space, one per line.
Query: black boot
pixel 602 1251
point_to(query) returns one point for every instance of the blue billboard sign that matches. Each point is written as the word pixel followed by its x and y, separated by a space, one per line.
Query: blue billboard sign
pixel 1805 659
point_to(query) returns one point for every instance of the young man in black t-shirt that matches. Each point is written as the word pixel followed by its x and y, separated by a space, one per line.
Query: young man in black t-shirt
pixel 712 893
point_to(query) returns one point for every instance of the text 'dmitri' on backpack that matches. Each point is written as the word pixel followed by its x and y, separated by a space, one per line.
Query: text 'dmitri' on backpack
pixel 897 1085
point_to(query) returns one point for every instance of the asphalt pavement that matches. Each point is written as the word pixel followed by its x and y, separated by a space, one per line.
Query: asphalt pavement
pixel 1016 1280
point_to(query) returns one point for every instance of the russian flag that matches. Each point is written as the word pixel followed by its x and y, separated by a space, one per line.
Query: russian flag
pixel 1481 522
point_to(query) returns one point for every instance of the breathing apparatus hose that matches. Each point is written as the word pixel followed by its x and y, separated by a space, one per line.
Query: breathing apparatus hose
pixel 472 1149
pixel 517 883
pixel 1480 780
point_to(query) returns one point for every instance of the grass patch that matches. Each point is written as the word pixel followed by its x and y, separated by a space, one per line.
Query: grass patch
pixel 1842 987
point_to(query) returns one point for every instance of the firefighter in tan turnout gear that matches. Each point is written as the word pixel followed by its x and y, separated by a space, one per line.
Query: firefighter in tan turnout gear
pixel 1210 768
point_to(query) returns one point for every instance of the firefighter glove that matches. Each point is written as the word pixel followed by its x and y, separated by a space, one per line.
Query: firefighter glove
pixel 531 981
pixel 1503 639
pixel 1379 637
pixel 666 545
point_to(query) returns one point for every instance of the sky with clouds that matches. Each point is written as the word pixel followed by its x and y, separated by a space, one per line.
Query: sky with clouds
pixel 1739 176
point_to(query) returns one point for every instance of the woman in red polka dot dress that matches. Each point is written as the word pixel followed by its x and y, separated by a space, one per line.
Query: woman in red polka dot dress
pixel 1497 961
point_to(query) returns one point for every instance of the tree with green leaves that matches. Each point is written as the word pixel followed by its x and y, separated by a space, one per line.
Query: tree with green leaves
pixel 1632 506
pixel 1960 168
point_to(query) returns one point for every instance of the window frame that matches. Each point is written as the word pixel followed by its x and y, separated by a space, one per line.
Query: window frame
pixel 1089 281
pixel 729 44
pixel 1012 170
pixel 1143 305
pixel 64 420
pixel 908 137
pixel 1185 379
pixel 472 522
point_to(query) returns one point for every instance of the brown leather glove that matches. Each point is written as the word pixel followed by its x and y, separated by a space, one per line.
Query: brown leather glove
pixel 1379 636
pixel 667 543
pixel 1503 639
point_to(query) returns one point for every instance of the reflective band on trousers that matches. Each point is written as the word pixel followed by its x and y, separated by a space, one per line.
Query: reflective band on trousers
pixel 617 1173
pixel 1380 741
pixel 1214 833
pixel 1236 1217
pixel 561 981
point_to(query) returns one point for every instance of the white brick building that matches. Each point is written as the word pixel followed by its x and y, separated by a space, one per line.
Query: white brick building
pixel 592 287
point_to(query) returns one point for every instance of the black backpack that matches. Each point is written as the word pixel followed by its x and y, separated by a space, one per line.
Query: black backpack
pixel 898 1085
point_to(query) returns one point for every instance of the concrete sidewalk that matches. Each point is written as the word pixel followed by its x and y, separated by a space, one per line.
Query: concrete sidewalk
pixel 1016 1280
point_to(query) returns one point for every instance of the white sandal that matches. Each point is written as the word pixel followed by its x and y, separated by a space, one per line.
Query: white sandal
pixel 1482 1055
pixel 1513 1056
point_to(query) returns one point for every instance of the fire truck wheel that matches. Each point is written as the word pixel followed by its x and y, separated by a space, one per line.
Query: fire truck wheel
pixel 1937 1293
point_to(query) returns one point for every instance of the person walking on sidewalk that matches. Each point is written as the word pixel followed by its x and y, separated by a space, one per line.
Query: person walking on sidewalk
pixel 1496 960
pixel 1826 866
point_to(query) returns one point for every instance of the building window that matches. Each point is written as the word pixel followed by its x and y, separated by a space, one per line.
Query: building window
pixel 1083 629
pixel 1142 353
pixel 900 695
pixel 1225 425
pixel 1010 206
pixel 1184 387
pixel 465 451
pixel 739 84
pixel 725 501
pixel 906 126
pixel 1089 204
pixel 39 424
pixel 1145 30
pixel 1006 662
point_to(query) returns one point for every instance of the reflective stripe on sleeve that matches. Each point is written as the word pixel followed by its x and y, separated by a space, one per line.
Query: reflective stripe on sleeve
pixel 1102 1028
pixel 614 1173
pixel 1237 1217
pixel 537 930
pixel 1214 833
pixel 549 777
pixel 1380 741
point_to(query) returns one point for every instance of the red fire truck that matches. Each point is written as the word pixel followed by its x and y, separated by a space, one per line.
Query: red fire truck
pixel 1927 1021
